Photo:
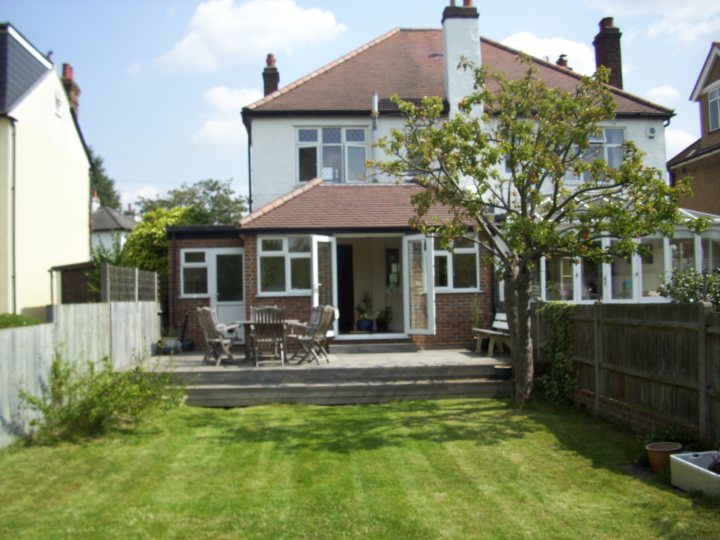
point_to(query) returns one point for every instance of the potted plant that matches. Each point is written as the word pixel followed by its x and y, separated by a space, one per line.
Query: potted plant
pixel 383 318
pixel 169 342
pixel 364 321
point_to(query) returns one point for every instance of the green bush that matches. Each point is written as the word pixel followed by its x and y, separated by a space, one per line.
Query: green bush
pixel 85 403
pixel 8 320
pixel 691 286
pixel 560 382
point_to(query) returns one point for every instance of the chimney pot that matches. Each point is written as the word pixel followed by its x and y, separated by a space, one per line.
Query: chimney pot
pixel 71 88
pixel 467 3
pixel 608 52
pixel 271 76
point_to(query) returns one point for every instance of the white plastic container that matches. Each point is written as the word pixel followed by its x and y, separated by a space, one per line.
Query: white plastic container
pixel 690 472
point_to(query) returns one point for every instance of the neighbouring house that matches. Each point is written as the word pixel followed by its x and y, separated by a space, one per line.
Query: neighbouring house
pixel 701 160
pixel 44 175
pixel 108 224
pixel 323 229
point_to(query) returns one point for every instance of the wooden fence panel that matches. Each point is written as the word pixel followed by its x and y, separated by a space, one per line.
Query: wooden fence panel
pixel 81 333
pixel 25 358
pixel 712 355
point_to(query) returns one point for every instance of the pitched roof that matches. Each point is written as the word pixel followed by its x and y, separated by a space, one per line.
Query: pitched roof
pixel 410 63
pixel 346 207
pixel 107 219
pixel 692 153
pixel 22 66
pixel 702 82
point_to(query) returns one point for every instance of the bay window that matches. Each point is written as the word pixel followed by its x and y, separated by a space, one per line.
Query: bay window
pixel 335 154
pixel 284 264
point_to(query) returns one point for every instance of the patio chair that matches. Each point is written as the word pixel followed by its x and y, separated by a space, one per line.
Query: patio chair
pixel 312 337
pixel 218 337
pixel 267 333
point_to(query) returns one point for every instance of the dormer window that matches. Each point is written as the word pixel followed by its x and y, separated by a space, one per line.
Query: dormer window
pixel 714 109
pixel 335 154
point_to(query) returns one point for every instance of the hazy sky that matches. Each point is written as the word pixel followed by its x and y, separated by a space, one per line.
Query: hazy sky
pixel 163 81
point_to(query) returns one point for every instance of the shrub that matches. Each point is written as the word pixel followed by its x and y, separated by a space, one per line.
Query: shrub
pixel 85 403
pixel 8 320
pixel 559 383
pixel 691 286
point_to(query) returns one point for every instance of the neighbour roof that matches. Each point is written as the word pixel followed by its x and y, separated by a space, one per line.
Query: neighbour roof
pixel 321 206
pixel 692 152
pixel 21 67
pixel 410 63
pixel 107 219
pixel 702 81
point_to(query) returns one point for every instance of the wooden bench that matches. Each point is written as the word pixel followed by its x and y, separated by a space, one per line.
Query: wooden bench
pixel 497 334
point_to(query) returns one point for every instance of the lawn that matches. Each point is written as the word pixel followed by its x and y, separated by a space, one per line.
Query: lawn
pixel 438 469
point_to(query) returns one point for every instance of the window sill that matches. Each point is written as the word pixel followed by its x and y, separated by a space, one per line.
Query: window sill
pixel 458 291
pixel 290 294
pixel 194 296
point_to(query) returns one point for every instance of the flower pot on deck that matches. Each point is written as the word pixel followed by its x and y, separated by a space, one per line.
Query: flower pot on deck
pixel 503 371
pixel 659 454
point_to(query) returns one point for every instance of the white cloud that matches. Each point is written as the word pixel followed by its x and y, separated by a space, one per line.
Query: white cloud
pixel 662 94
pixel 135 69
pixel 686 22
pixel 581 58
pixel 223 33
pixel 224 130
pixel 677 140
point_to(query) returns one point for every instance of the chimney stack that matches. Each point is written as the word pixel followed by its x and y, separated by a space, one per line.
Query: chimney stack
pixel 271 76
pixel 607 51
pixel 71 88
pixel 461 39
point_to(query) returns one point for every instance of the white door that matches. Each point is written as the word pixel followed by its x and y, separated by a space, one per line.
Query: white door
pixel 419 285
pixel 227 284
pixel 324 263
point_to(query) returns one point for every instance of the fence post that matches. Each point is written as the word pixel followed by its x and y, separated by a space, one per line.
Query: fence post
pixel 702 373
pixel 137 285
pixel 104 282
pixel 596 348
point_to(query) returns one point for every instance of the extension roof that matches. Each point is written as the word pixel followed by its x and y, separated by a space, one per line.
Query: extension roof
pixel 318 206
pixel 410 63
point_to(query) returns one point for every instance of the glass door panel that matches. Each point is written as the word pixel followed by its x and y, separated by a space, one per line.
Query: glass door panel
pixel 419 285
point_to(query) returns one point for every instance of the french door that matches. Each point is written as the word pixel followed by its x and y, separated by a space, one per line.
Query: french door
pixel 419 285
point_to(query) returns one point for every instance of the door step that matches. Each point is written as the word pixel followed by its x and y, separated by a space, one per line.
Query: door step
pixel 372 347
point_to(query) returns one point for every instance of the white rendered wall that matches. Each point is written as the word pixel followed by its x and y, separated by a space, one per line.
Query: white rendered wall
pixel 52 193
pixel 5 215
pixel 274 154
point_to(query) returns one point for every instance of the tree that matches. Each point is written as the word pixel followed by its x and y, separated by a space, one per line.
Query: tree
pixel 146 247
pixel 502 164
pixel 101 183
pixel 212 202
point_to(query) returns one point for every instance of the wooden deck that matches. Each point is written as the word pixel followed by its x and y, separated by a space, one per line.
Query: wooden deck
pixel 348 378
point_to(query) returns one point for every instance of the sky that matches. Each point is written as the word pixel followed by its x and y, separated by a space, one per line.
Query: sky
pixel 163 81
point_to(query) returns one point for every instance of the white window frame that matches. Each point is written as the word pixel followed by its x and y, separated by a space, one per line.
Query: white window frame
pixel 344 146
pixel 448 255
pixel 714 102
pixel 288 256
pixel 183 265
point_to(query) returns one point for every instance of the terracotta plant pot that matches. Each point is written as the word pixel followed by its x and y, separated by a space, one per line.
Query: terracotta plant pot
pixel 659 454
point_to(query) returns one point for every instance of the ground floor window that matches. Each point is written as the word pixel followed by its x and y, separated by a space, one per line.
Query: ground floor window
pixel 457 269
pixel 194 273
pixel 284 264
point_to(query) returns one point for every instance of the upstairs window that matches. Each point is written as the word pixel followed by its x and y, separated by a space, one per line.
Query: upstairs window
pixel 607 144
pixel 335 154
pixel 714 109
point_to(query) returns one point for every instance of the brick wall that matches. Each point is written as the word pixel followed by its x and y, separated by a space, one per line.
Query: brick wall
pixel 704 183
pixel 180 307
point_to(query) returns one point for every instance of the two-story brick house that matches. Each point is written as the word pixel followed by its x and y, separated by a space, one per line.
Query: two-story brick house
pixel 701 160
pixel 325 230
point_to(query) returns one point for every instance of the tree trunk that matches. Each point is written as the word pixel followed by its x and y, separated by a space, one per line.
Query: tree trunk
pixel 517 307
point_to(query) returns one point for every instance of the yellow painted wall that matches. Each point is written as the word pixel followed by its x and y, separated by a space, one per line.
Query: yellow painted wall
pixel 52 193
